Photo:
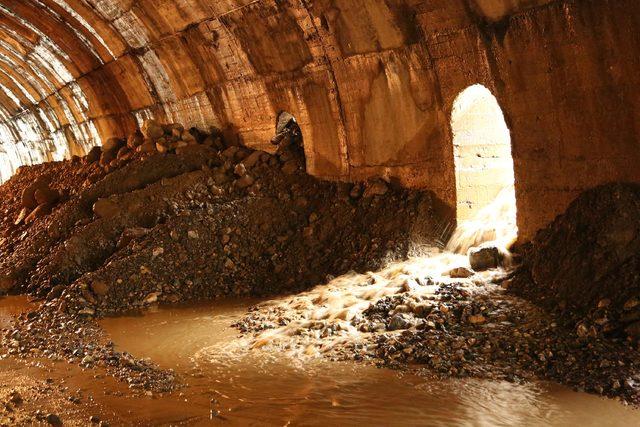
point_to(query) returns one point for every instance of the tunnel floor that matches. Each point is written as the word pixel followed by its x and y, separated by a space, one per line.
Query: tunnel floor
pixel 333 294
pixel 223 381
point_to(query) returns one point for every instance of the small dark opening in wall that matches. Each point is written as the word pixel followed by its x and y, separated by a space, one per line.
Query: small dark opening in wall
pixel 288 138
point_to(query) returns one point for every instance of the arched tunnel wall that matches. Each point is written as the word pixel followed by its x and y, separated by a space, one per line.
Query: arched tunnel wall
pixel 371 82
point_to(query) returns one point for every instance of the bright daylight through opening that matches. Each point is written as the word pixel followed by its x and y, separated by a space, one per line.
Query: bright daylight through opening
pixel 485 191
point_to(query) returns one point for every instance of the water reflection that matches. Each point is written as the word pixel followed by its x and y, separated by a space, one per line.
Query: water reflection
pixel 244 387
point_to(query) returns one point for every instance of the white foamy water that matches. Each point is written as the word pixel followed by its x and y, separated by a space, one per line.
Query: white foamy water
pixel 494 224
pixel 332 315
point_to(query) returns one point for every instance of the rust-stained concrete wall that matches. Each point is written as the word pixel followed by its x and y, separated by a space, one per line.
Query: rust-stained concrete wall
pixel 372 82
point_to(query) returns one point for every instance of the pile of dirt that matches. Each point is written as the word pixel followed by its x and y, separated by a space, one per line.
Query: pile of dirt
pixel 444 327
pixel 205 223
pixel 63 177
pixel 585 266
pixel 45 185
pixel 186 218
pixel 483 332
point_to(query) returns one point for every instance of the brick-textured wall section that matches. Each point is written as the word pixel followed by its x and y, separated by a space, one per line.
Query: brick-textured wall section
pixel 372 82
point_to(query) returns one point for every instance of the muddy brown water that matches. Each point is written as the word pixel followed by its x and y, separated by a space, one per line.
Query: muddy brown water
pixel 12 306
pixel 228 384
pixel 251 387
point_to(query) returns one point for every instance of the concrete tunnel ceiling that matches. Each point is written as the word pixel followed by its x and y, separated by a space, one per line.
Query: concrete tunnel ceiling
pixel 371 82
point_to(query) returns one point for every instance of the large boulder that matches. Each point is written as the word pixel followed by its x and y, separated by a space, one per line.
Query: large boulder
pixel 152 130
pixel 94 154
pixel 135 140
pixel 45 195
pixel 485 257
pixel 107 157
pixel 41 185
pixel 27 198
pixel 147 147
pixel 113 144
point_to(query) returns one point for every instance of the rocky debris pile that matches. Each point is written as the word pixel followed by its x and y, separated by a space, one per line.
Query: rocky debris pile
pixel 195 175
pixel 228 221
pixel 43 186
pixel 230 247
pixel 31 245
pixel 100 161
pixel 36 191
pixel 585 266
pixel 185 223
pixel 165 138
pixel 461 329
pixel 451 324
pixel 32 193
pixel 482 332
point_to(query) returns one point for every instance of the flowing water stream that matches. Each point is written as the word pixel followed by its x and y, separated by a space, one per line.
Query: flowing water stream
pixel 253 388
pixel 332 315
pixel 260 388
pixel 276 377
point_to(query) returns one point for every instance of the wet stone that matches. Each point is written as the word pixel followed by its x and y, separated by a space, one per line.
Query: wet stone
pixel 100 287
pixel 400 321
pixel 459 273
pixel 375 188
pixel 54 420
pixel 485 258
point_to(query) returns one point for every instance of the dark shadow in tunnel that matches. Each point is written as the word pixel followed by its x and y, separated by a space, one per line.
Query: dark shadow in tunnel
pixel 288 139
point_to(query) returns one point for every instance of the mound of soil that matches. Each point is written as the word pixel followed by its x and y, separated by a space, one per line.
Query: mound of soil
pixel 184 222
pixel 206 223
pixel 486 333
pixel 585 266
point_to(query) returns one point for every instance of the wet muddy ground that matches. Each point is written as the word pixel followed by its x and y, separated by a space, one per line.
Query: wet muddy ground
pixel 226 383
pixel 367 278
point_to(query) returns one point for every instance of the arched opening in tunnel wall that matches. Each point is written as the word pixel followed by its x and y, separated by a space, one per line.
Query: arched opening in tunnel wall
pixel 288 136
pixel 485 184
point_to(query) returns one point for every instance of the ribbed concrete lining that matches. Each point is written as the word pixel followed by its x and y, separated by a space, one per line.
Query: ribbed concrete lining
pixel 372 82
pixel 53 50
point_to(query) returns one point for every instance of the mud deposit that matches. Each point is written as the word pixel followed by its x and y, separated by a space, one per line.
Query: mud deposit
pixel 585 266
